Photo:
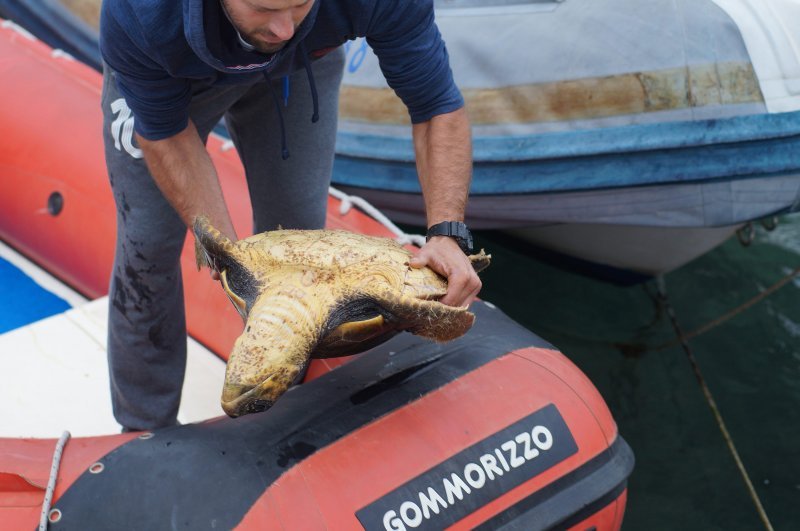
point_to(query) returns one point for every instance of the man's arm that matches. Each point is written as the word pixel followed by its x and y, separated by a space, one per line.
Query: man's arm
pixel 183 171
pixel 443 148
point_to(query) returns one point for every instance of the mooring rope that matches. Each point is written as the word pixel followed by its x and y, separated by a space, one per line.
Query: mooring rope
pixel 348 201
pixel 19 29
pixel 641 348
pixel 684 341
pixel 51 483
pixel 732 313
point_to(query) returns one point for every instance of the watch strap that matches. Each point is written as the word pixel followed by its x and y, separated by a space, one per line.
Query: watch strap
pixel 452 229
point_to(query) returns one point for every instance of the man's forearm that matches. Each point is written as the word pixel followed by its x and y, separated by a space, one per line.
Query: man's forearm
pixel 183 171
pixel 443 148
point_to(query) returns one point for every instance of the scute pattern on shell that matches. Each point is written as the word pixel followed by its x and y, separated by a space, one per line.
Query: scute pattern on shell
pixel 302 292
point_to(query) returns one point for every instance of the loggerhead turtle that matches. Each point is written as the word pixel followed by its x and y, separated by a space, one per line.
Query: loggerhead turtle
pixel 317 294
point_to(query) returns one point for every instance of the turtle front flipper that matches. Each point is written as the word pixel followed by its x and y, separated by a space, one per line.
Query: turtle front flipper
pixel 480 261
pixel 427 318
pixel 280 333
pixel 210 244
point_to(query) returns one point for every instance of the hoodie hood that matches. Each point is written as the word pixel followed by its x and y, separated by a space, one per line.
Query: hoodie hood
pixel 214 39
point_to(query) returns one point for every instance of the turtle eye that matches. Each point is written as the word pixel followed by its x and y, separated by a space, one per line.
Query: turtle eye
pixel 236 300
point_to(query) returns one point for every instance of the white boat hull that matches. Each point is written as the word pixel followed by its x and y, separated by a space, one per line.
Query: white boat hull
pixel 650 251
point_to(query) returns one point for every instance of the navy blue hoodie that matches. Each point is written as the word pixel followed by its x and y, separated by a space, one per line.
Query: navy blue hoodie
pixel 159 47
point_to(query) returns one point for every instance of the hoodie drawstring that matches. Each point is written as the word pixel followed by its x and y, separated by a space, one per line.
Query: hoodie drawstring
pixel 277 99
pixel 310 74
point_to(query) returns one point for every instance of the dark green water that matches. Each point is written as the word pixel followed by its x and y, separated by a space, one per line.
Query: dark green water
pixel 685 477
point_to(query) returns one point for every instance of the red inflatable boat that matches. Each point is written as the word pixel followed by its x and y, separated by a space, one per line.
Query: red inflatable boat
pixel 494 430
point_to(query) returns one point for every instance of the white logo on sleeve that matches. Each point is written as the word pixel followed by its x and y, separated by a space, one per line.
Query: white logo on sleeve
pixel 122 128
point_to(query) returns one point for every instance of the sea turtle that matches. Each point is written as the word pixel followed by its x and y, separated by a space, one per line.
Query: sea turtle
pixel 317 294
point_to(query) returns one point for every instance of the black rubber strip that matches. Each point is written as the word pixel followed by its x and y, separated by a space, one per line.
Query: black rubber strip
pixel 207 476
pixel 593 508
pixel 571 498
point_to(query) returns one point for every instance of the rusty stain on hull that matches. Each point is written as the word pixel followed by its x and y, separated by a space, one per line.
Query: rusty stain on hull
pixel 599 97
pixel 86 10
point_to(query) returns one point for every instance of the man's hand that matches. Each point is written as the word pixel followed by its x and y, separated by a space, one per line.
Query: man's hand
pixel 443 255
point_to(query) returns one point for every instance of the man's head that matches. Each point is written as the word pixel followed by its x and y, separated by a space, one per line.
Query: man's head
pixel 267 24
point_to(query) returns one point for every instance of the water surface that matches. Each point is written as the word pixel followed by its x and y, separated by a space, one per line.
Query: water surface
pixel 621 337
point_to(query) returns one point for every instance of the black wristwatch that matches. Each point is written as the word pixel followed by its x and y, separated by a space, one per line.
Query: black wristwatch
pixel 452 229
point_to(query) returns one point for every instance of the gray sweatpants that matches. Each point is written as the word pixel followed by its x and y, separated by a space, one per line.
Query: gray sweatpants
pixel 146 322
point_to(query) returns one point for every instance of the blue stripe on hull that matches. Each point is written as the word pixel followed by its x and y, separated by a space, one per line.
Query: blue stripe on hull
pixel 742 147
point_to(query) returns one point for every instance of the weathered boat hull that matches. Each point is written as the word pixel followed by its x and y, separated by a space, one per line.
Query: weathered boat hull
pixel 669 116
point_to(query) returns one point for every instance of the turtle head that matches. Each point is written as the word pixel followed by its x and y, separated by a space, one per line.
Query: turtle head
pixel 244 393
pixel 269 356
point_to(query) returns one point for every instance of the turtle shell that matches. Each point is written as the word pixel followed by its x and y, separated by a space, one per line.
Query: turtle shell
pixel 318 294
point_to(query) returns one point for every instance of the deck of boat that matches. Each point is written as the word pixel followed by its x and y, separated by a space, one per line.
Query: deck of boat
pixel 54 371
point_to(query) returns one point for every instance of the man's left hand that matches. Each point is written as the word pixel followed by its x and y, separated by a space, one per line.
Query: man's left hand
pixel 443 255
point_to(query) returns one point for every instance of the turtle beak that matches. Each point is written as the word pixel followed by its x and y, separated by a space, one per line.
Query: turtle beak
pixel 238 400
pixel 254 380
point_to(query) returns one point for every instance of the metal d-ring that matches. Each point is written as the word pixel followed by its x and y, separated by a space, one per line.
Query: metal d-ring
pixel 769 223
pixel 746 234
